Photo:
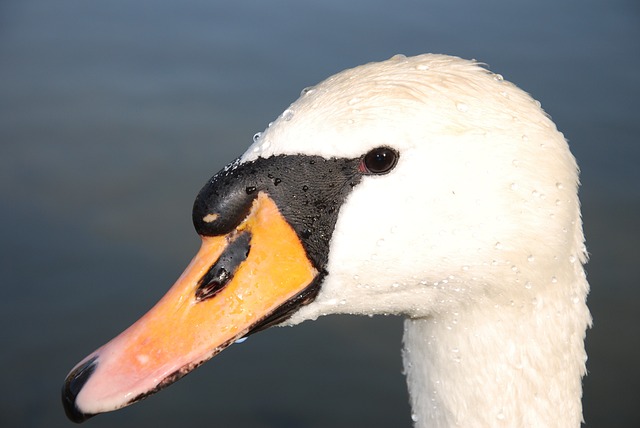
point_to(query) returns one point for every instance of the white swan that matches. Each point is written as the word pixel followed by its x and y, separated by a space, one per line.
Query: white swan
pixel 424 186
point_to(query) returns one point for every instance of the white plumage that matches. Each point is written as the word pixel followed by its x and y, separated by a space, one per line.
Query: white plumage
pixel 475 236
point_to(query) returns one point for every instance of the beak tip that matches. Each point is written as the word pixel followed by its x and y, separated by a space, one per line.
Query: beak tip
pixel 73 385
pixel 73 413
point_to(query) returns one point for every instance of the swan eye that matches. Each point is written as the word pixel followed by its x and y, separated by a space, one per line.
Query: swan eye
pixel 380 160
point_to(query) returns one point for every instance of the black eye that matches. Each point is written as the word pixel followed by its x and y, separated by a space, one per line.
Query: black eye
pixel 380 160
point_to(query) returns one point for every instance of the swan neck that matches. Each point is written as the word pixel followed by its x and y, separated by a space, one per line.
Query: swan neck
pixel 519 364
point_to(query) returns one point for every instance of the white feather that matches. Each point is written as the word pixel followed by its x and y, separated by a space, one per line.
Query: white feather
pixel 475 236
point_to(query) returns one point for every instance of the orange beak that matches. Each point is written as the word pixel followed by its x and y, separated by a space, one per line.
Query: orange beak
pixel 235 285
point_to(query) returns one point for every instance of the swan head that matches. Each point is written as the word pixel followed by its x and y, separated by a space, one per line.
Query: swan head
pixel 482 203
pixel 417 186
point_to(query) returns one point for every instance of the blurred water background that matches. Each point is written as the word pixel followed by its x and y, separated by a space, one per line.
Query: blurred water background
pixel 114 114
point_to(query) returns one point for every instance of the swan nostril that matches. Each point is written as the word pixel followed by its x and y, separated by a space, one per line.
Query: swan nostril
pixel 223 270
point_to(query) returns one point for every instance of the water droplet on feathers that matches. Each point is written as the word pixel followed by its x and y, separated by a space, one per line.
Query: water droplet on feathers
pixel 287 115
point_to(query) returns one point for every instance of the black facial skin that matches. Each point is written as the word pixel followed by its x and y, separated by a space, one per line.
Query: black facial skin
pixel 308 191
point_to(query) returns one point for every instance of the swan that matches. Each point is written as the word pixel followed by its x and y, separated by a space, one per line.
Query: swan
pixel 424 186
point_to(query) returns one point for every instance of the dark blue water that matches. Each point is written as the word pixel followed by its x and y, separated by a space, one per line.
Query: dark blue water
pixel 113 115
